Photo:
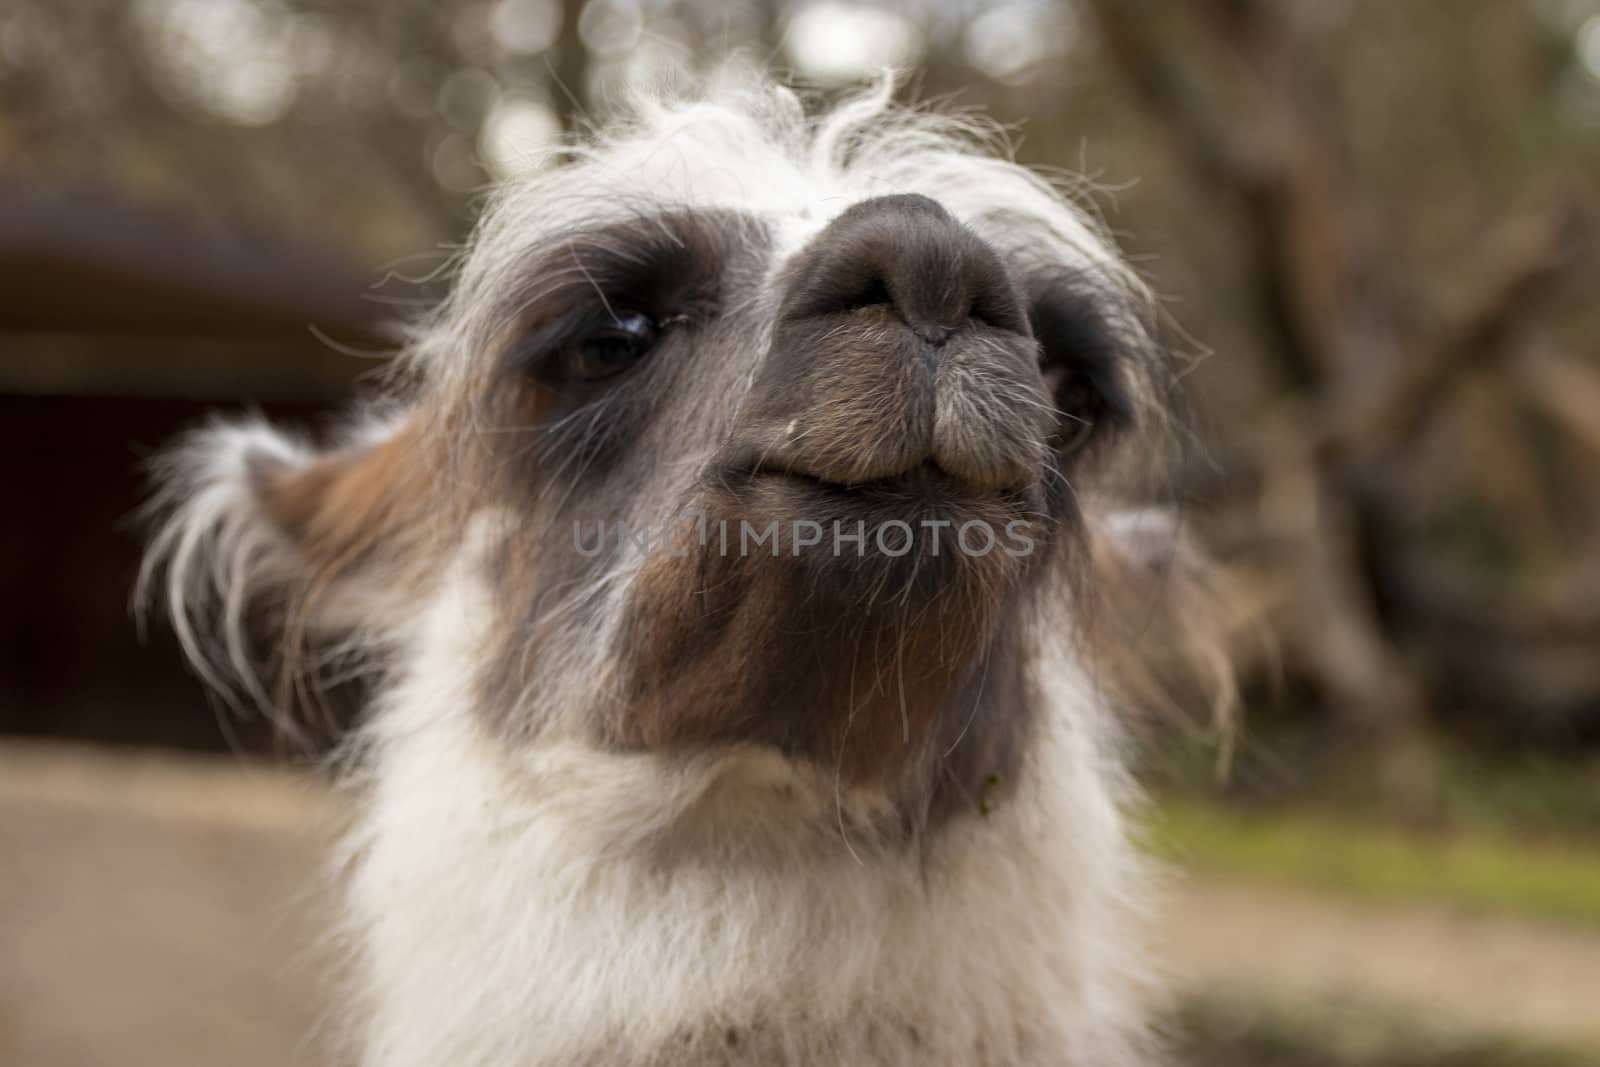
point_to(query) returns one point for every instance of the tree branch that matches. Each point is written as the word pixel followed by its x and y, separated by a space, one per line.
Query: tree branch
pixel 1523 261
pixel 1213 152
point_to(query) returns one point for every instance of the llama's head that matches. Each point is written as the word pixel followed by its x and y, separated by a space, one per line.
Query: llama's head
pixel 755 432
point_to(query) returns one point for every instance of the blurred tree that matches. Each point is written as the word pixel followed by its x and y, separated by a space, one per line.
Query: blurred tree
pixel 1370 334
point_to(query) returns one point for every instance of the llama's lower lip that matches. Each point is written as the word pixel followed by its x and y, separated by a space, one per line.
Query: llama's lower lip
pixel 926 478
pixel 925 482
pixel 923 492
pixel 913 518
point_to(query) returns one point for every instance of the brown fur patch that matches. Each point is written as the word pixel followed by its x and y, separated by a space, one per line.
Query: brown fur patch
pixel 914 687
pixel 341 510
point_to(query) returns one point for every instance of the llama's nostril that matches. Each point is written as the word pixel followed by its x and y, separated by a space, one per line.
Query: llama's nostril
pixel 932 333
pixel 873 294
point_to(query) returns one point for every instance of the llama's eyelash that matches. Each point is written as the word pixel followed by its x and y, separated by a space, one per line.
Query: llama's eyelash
pixel 667 265
pixel 594 285
pixel 530 354
pixel 554 355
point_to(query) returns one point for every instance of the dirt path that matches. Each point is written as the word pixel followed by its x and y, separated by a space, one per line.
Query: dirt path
pixel 1443 967
pixel 157 911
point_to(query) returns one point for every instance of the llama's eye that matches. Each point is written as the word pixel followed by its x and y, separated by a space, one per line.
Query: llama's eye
pixel 1081 359
pixel 1075 433
pixel 613 348
pixel 1078 405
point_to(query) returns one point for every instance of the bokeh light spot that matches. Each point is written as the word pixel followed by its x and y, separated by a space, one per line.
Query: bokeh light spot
pixel 517 136
pixel 835 43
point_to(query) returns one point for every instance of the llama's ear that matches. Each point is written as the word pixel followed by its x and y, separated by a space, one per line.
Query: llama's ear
pixel 349 510
pixel 261 538
pixel 1165 626
pixel 1146 539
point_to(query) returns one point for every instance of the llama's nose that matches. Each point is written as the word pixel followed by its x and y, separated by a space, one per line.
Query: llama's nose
pixel 907 257
pixel 901 343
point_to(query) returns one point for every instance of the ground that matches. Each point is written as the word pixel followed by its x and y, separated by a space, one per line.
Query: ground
pixel 157 911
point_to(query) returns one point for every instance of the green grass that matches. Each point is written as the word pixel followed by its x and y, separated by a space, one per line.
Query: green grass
pixel 1449 784
pixel 1470 869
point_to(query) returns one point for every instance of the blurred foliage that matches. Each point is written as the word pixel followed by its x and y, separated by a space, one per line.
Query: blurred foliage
pixel 1539 792
pixel 1471 869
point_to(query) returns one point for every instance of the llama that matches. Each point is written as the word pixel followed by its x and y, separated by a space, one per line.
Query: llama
pixel 721 549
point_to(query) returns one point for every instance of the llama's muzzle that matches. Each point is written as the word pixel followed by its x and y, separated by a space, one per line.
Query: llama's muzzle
pixel 902 357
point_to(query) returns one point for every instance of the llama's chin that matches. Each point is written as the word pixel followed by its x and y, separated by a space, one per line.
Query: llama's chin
pixel 861 650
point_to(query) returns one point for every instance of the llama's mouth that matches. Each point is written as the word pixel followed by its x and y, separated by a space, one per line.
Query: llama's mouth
pixel 925 489
pixel 909 510
pixel 925 481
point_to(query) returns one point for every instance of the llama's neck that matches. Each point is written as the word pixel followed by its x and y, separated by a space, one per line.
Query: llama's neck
pixel 542 908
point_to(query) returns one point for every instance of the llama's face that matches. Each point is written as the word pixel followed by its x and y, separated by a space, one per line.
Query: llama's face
pixel 790 494
pixel 768 444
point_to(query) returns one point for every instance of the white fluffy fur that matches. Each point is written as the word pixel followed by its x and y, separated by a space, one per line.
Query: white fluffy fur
pixel 214 552
pixel 564 905
pixel 744 144
pixel 521 909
